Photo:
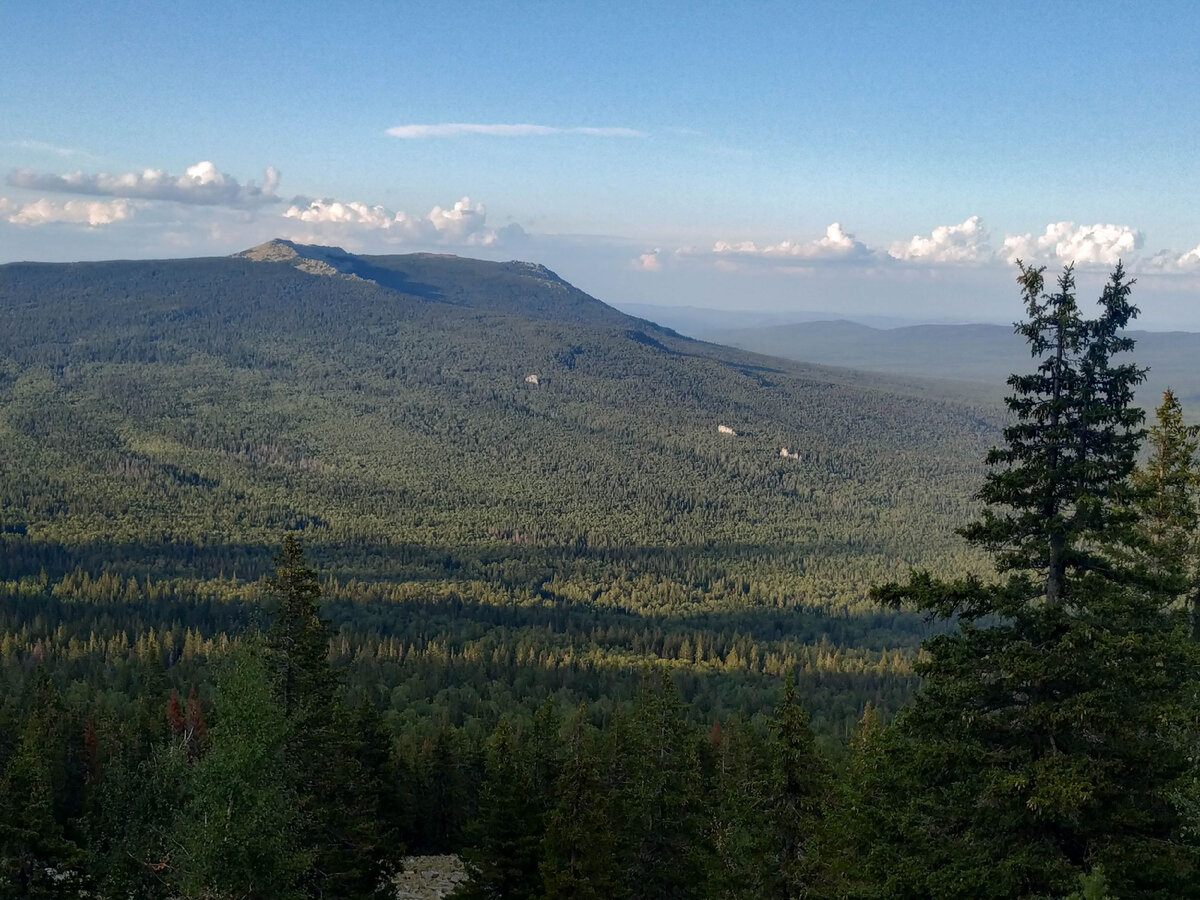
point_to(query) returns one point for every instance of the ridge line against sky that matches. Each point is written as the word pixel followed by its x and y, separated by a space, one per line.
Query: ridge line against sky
pixel 890 161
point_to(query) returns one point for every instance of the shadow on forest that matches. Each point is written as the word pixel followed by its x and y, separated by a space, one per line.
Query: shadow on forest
pixel 525 565
pixel 391 279
pixel 378 568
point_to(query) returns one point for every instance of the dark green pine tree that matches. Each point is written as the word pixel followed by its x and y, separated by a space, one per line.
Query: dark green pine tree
pixel 797 798
pixel 38 859
pixel 382 817
pixel 861 815
pixel 1168 484
pixel 503 859
pixel 1054 723
pixel 660 804
pixel 338 798
pixel 1059 489
pixel 738 830
pixel 439 786
pixel 542 752
pixel 299 644
pixel 578 850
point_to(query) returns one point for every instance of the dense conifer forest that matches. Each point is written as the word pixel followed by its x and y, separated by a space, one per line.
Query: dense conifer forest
pixel 311 560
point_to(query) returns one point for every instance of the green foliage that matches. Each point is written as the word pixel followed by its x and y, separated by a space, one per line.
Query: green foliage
pixel 38 859
pixel 503 859
pixel 236 833
pixel 743 860
pixel 1052 727
pixel 1092 886
pixel 332 768
pixel 659 802
pixel 579 849
pixel 172 418
pixel 796 803
pixel 1056 492
pixel 485 543
pixel 1167 500
pixel 500 554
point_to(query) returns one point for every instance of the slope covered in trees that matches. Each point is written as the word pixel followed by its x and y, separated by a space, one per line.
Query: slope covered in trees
pixel 164 422
pixel 1048 753
pixel 208 404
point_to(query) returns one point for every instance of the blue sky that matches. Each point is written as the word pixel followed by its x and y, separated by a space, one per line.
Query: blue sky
pixel 843 156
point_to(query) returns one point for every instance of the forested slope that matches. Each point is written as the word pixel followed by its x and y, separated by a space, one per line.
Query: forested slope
pixel 171 420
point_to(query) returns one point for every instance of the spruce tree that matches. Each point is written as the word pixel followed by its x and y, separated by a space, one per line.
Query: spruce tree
pixel 798 789
pixel 862 818
pixel 737 826
pixel 578 849
pixel 1053 725
pixel 660 805
pixel 337 798
pixel 503 860
pixel 38 859
pixel 299 641
pixel 1167 498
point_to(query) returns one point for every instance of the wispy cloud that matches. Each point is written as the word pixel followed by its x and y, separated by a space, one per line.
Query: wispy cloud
pixel 44 147
pixel 461 129
pixel 202 184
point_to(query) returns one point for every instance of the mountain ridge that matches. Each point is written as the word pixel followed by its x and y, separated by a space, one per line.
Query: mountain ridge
pixel 980 353
pixel 173 417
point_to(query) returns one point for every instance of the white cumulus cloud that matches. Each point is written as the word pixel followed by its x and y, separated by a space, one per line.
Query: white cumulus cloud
pixel 1190 259
pixel 202 184
pixel 460 129
pixel 965 243
pixel 1173 261
pixel 1067 242
pixel 78 212
pixel 836 244
pixel 649 262
pixel 463 223
pixel 352 213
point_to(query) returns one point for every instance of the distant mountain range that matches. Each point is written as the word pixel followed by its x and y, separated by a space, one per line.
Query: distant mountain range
pixel 981 353
pixel 709 324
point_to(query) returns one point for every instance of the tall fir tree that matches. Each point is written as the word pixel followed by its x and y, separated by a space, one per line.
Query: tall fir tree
pixel 578 849
pixel 338 799
pixel 38 857
pixel 1168 483
pixel 797 799
pixel 503 858
pixel 736 826
pixel 1053 725
pixel 660 804
pixel 862 818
